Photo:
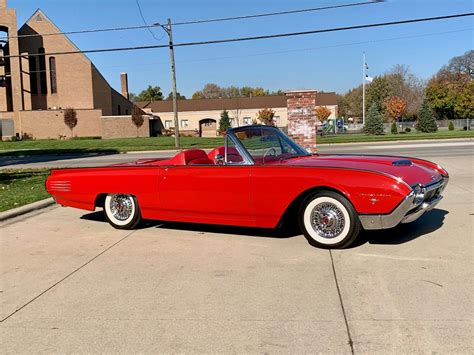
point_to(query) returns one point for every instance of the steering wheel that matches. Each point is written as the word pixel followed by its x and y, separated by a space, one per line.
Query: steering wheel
pixel 270 152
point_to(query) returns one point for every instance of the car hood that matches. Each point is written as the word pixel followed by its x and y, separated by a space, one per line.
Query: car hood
pixel 411 172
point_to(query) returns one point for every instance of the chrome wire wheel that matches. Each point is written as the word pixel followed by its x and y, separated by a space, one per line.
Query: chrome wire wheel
pixel 122 210
pixel 327 220
pixel 121 206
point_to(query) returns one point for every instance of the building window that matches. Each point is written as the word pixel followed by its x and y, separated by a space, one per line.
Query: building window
pixel 42 72
pixel 119 110
pixel 276 120
pixel 168 124
pixel 247 121
pixel 184 123
pixel 52 75
pixel 33 75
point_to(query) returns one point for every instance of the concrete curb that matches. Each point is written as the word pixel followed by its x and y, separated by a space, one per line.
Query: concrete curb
pixel 26 209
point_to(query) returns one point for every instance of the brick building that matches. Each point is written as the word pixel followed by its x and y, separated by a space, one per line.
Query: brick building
pixel 35 86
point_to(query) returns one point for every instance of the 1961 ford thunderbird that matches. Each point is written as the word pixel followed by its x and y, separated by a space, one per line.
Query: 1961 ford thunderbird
pixel 259 178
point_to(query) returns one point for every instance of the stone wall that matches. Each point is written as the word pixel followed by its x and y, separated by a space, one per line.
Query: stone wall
pixel 302 119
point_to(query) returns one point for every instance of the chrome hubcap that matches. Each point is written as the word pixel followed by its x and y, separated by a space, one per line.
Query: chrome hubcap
pixel 327 220
pixel 121 207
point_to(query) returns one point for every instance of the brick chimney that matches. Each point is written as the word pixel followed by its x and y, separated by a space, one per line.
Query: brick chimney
pixel 123 84
pixel 301 107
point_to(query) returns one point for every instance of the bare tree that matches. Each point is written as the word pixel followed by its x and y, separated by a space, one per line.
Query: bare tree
pixel 137 117
pixel 70 119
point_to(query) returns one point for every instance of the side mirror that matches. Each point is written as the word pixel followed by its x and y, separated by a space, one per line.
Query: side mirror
pixel 219 159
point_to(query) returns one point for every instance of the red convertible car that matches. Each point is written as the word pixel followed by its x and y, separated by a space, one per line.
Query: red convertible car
pixel 259 178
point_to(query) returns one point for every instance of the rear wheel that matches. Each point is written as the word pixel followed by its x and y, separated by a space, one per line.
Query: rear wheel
pixel 122 211
pixel 328 220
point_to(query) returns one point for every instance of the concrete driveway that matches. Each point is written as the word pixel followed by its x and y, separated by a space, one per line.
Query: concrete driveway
pixel 71 283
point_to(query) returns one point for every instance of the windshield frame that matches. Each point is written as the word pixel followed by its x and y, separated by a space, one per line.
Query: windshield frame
pixel 248 159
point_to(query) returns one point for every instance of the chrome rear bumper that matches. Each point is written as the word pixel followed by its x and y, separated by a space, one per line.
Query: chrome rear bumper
pixel 406 211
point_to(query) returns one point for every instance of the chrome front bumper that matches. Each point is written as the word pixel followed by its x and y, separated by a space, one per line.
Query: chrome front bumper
pixel 406 211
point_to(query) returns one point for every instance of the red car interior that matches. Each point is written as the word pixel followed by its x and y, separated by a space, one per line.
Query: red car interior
pixel 191 157
pixel 232 154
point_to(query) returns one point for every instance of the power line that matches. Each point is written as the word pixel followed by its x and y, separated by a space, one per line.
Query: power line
pixel 337 29
pixel 253 38
pixel 146 24
pixel 246 17
pixel 127 28
pixel 296 50
pixel 97 30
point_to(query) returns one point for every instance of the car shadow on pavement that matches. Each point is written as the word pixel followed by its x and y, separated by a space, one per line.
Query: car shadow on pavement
pixel 242 231
pixel 405 233
pixel 401 234
pixel 98 216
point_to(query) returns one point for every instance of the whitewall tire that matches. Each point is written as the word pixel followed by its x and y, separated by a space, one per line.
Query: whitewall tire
pixel 328 220
pixel 122 211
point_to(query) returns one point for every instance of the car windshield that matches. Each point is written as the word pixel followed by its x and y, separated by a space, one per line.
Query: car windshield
pixel 268 145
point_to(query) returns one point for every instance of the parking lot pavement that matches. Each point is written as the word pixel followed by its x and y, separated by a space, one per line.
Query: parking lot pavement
pixel 71 283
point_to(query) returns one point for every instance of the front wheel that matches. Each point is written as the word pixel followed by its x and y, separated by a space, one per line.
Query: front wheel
pixel 328 220
pixel 122 211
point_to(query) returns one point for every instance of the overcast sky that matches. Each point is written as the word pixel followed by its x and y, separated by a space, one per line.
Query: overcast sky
pixel 329 62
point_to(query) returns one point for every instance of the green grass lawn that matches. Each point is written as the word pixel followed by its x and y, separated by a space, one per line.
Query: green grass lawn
pixel 21 187
pixel 33 147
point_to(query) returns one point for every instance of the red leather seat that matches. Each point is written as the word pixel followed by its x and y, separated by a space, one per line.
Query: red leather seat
pixel 233 154
pixel 191 157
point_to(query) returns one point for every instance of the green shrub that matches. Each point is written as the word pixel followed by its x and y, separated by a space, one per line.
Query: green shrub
pixel 451 126
pixel 408 129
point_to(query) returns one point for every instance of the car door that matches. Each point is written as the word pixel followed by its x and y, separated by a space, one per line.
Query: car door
pixel 216 194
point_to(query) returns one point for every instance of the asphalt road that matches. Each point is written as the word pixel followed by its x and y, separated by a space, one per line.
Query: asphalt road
pixel 71 283
pixel 421 149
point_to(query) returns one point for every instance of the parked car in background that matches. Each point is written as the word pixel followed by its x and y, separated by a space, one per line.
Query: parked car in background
pixel 259 178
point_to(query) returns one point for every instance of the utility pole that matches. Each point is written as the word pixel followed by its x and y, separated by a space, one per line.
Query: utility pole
pixel 173 78
pixel 169 32
pixel 363 88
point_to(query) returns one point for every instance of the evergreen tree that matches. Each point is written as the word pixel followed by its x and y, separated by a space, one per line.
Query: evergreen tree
pixel 394 128
pixel 426 121
pixel 451 126
pixel 224 122
pixel 374 122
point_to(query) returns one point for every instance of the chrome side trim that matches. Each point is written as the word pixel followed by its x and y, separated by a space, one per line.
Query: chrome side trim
pixel 60 185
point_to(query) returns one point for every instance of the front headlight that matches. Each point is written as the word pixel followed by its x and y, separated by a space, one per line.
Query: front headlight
pixel 419 195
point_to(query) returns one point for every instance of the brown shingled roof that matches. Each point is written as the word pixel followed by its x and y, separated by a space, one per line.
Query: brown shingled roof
pixel 256 102
pixel 326 99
